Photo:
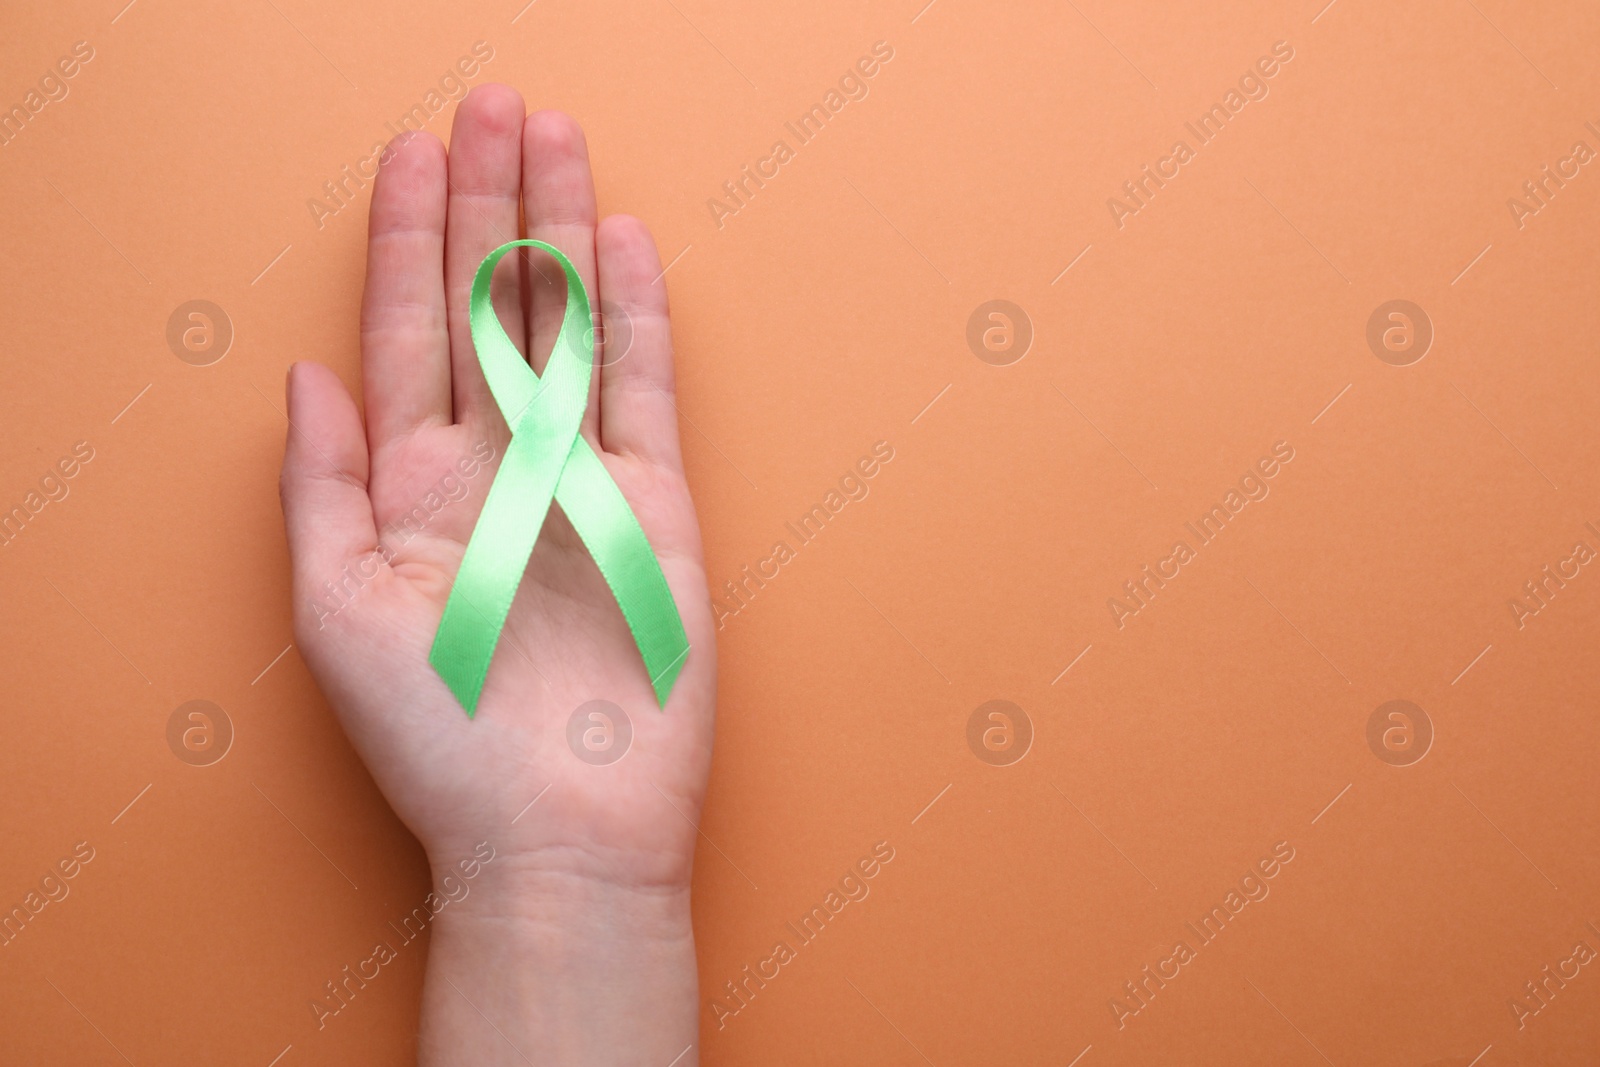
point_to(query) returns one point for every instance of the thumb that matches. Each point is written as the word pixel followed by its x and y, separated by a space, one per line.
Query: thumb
pixel 323 485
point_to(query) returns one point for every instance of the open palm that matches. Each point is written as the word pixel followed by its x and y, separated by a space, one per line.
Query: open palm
pixel 383 511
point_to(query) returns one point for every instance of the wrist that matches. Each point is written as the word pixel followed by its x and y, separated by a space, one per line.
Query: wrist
pixel 541 966
pixel 490 888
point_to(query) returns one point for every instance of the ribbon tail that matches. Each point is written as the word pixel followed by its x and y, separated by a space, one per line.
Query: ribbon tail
pixel 492 566
pixel 619 547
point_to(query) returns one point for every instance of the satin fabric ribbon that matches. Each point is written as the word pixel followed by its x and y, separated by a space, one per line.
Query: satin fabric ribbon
pixel 548 459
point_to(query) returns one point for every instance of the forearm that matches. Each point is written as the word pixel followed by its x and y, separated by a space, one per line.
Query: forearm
pixel 546 969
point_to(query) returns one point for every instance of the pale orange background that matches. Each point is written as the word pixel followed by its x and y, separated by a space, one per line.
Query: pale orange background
pixel 822 318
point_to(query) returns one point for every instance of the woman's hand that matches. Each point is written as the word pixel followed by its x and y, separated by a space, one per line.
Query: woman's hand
pixel 573 944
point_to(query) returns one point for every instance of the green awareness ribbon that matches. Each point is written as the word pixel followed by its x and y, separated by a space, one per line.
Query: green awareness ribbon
pixel 548 459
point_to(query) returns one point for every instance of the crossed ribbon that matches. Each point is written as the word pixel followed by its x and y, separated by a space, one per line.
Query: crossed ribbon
pixel 548 459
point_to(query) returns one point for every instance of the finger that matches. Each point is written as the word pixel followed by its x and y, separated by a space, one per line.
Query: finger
pixel 638 413
pixel 323 484
pixel 405 341
pixel 485 174
pixel 558 202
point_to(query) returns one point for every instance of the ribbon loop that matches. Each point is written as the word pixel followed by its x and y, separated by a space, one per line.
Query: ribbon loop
pixel 548 459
